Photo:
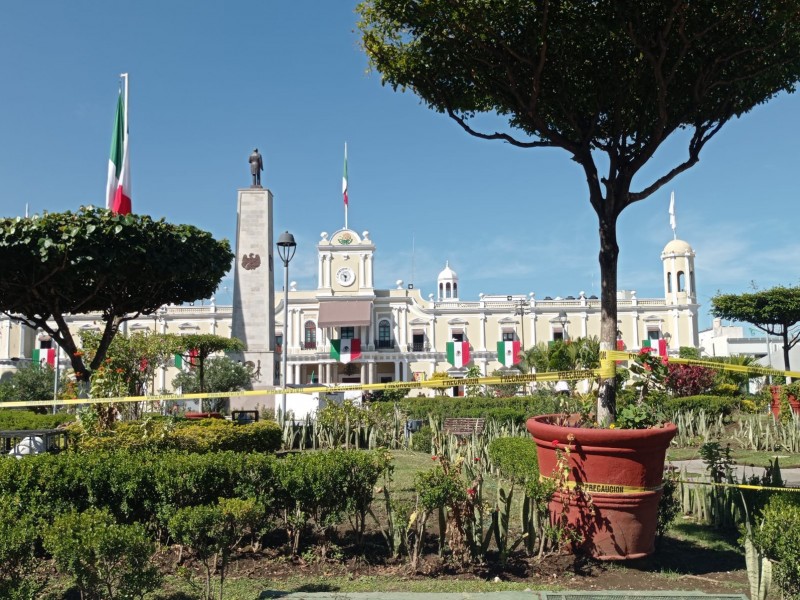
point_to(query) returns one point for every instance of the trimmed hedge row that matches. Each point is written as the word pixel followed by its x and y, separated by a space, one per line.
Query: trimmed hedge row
pixel 712 405
pixel 207 435
pixel 11 419
pixel 517 408
pixel 150 487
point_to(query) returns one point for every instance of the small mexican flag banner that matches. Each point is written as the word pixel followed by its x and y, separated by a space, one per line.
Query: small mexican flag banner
pixel 508 352
pixel 458 354
pixel 44 355
pixel 658 347
pixel 179 361
pixel 346 350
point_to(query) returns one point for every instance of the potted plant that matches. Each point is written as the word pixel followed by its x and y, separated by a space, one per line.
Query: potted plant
pixel 609 480
pixel 785 400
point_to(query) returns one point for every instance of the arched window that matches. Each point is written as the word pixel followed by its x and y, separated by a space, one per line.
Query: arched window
pixel 385 334
pixel 447 290
pixel 455 290
pixel 310 338
pixel 691 283
pixel 669 282
pixel 681 281
pixel 441 291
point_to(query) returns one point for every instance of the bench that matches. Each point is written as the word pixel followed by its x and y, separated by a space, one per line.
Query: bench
pixel 463 425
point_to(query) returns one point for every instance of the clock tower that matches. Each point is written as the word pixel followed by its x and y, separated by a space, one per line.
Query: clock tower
pixel 345 268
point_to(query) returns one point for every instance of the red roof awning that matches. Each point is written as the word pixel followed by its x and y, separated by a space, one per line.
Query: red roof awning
pixel 334 313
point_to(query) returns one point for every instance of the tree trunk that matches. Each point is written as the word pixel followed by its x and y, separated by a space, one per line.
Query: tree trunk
pixel 786 348
pixel 609 253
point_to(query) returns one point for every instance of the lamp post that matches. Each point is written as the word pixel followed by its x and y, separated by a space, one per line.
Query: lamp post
pixel 286 250
pixel 562 318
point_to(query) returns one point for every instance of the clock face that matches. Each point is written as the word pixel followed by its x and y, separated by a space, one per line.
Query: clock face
pixel 345 276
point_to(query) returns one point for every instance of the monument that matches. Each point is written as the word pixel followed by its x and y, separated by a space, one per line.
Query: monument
pixel 253 319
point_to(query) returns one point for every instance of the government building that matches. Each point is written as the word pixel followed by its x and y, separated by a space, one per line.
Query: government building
pixel 347 331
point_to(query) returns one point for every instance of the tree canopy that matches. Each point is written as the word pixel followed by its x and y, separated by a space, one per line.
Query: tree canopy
pixel 93 260
pixel 197 347
pixel 774 311
pixel 606 81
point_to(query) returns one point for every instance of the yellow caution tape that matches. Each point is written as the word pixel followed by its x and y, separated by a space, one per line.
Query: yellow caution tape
pixel 605 488
pixel 393 385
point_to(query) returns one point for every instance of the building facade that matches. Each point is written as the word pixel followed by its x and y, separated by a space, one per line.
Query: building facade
pixel 347 331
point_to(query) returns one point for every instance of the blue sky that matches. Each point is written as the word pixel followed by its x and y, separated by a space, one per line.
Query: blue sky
pixel 211 81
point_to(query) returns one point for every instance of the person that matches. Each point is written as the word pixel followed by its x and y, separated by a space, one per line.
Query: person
pixel 256 166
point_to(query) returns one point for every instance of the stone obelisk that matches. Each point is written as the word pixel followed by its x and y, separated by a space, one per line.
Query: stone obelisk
pixel 253 319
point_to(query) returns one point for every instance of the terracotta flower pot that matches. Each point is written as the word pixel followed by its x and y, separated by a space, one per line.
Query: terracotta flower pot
pixel 620 476
pixel 775 406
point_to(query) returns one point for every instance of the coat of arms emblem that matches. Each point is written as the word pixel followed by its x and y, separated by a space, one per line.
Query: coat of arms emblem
pixel 251 261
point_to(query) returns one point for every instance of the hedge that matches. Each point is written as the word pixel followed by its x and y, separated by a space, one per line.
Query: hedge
pixel 712 405
pixel 12 420
pixel 207 435
pixel 517 408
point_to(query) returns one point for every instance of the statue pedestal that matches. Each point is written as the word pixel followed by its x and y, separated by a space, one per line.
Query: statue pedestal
pixel 253 319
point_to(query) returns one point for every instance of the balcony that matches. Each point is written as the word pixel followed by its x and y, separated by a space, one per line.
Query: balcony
pixel 384 344
pixel 419 347
pixel 310 345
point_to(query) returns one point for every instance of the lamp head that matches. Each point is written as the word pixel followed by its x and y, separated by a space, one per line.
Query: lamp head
pixel 286 247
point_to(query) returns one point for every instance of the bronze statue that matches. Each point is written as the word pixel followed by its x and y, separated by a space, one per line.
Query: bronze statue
pixel 256 166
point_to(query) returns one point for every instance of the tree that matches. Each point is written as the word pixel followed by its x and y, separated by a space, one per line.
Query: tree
pixel 221 375
pixel 609 82
pixel 774 311
pixel 30 383
pixel 121 266
pixel 130 364
pixel 197 347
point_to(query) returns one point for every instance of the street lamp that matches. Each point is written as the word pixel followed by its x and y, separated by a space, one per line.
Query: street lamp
pixel 286 250
pixel 562 318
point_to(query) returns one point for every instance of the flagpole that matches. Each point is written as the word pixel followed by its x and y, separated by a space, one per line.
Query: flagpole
pixel 125 81
pixel 345 192
pixel 672 222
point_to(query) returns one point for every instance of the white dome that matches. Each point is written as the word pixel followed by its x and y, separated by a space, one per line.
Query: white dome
pixel 677 247
pixel 447 272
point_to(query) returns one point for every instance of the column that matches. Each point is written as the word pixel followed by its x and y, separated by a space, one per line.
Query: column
pixel 320 269
pixel 482 321
pixel 584 324
pixel 533 329
pixel 397 370
pixel 433 334
pixel 363 372
pixel 328 375
pixel 635 343
pixel 676 335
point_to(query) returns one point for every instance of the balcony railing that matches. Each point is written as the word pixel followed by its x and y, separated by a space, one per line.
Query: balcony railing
pixel 418 347
pixel 384 344
pixel 310 345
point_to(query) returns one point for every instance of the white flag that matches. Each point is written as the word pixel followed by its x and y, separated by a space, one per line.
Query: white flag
pixel 672 211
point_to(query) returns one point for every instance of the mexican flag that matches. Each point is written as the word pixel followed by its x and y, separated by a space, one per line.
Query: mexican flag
pixel 658 347
pixel 118 188
pixel 344 177
pixel 508 353
pixel 179 361
pixel 346 350
pixel 44 355
pixel 458 354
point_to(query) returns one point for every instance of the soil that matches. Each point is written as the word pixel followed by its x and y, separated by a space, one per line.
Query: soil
pixel 676 565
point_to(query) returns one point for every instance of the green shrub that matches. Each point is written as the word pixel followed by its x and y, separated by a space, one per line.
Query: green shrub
pixel 11 419
pixel 517 408
pixel 438 489
pixel 207 435
pixel 105 559
pixel 515 458
pixel 213 435
pixel 18 535
pixel 712 405
pixel 778 538
pixel 421 440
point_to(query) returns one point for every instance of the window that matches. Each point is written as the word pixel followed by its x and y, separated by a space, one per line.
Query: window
pixel 681 281
pixel 310 339
pixel 418 341
pixel 558 334
pixel 669 282
pixel 348 333
pixel 653 334
pixel 385 334
pixel 458 336
pixel 48 343
pixel 278 343
pixel 509 336
pixel 691 283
